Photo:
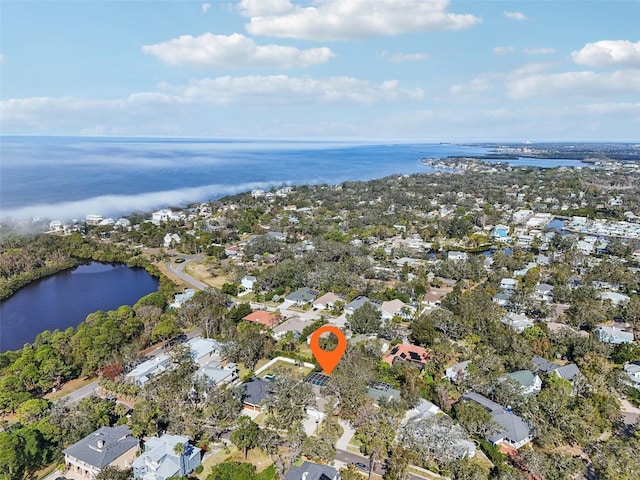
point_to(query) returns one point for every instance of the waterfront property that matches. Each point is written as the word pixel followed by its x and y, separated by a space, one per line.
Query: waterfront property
pixel 165 457
pixel 107 446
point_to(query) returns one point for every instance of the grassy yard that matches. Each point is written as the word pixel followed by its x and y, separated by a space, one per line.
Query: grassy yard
pixel 242 370
pixel 256 457
pixel 304 371
pixel 200 272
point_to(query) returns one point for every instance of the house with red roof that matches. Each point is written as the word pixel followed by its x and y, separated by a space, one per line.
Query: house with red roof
pixel 268 319
pixel 413 354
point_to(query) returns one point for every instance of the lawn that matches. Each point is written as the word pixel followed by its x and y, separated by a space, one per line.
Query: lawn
pixel 68 387
pixel 280 365
pixel 256 457
pixel 242 370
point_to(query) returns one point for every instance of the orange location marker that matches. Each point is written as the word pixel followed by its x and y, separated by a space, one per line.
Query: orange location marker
pixel 328 360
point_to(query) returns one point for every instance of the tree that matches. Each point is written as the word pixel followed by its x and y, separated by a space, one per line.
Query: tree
pixel 246 434
pixel 365 319
pixel 435 438
pixel 114 473
pixel 289 400
pixel 397 463
pixel 474 418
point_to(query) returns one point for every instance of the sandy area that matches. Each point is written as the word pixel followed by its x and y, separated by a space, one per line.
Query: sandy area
pixel 199 271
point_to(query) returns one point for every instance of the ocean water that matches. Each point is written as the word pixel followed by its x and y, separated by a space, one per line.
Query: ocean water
pixel 70 177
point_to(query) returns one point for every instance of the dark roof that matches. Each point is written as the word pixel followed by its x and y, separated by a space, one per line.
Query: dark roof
pixel 255 390
pixel 568 372
pixel 117 441
pixel 543 364
pixel 304 295
pixel 317 378
pixel 513 428
pixel 313 471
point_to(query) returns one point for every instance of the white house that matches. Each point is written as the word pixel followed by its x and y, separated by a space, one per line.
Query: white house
pixel 327 301
pixel 161 459
pixel 247 282
pixel 544 292
pixel 171 239
pixel 457 372
pixel 180 298
pixel 203 350
pixel 146 370
pixel 161 215
pixel 614 297
pixel 394 308
pixel 517 321
pixel 613 335
pixel 457 256
pixel 93 219
pixel 508 284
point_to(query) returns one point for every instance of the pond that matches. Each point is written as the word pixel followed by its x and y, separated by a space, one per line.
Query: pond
pixel 65 299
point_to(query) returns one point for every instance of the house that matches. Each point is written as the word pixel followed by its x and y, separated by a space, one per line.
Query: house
pixel 613 335
pixel 93 219
pixel 281 237
pixel 327 301
pixel 396 307
pixel 457 372
pixel 171 239
pixel 203 350
pixel 424 409
pixel 248 282
pixel 408 353
pixel 312 471
pixel 166 456
pixel 633 373
pixel 263 317
pixel 544 292
pixel 433 298
pixel 382 392
pixel 508 284
pixel 530 383
pixel 161 215
pixel 294 324
pixel 501 298
pixel 300 297
pixel 514 430
pixel 614 298
pixel 106 447
pixel 217 374
pixel 544 365
pixel 180 298
pixel 358 302
pixel 500 233
pixel 457 256
pixel 517 321
pixel 254 391
pixel 231 251
pixel 568 372
pixel 146 370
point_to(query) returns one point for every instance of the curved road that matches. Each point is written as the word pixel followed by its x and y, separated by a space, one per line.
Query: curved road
pixel 177 269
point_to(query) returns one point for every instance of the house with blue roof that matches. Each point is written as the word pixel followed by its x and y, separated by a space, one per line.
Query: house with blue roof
pixel 166 456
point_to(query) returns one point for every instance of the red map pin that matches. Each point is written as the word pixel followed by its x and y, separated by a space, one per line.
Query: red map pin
pixel 328 360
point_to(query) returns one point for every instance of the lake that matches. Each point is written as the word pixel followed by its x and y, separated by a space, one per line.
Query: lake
pixel 65 299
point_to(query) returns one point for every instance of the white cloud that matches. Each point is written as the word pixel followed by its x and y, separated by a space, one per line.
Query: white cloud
pixel 403 57
pixel 503 50
pixel 284 90
pixel 516 16
pixel 538 51
pixel 531 68
pixel 233 51
pixel 206 7
pixel 477 85
pixel 576 84
pixel 350 19
pixel 607 53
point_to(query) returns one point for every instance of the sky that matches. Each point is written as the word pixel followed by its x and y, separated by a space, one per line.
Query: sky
pixel 416 70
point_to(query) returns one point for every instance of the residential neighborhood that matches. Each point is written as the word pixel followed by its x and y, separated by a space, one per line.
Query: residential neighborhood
pixel 492 329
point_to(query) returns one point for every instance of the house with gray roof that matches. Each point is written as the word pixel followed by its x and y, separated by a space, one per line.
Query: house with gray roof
pixel 302 296
pixel 312 471
pixel 254 391
pixel 142 373
pixel 613 335
pixel 358 302
pixel 107 446
pixel 568 372
pixel 530 383
pixel 513 430
pixel 517 321
pixel 161 459
pixel 544 365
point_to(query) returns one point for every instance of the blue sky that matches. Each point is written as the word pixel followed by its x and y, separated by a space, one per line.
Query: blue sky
pixel 426 70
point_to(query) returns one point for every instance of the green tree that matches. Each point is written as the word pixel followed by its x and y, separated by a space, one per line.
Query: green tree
pixel 365 319
pixel 114 473
pixel 246 434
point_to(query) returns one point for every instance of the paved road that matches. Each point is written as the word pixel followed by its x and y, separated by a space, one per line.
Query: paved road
pixel 177 269
pixel 348 457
